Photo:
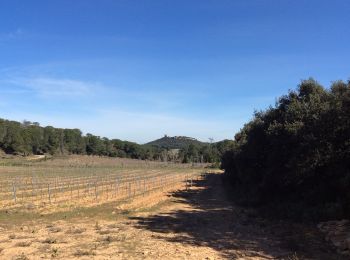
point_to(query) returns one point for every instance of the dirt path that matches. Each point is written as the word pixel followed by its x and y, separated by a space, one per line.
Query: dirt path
pixel 196 223
pixel 205 218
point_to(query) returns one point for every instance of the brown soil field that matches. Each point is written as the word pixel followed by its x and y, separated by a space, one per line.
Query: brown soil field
pixel 55 184
pixel 178 222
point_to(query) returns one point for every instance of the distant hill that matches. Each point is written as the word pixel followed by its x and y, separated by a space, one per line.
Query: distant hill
pixel 29 138
pixel 175 142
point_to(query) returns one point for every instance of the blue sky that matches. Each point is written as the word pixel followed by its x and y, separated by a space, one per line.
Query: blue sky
pixel 137 70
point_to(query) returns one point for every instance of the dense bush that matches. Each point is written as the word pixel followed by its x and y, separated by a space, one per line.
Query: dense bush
pixel 297 153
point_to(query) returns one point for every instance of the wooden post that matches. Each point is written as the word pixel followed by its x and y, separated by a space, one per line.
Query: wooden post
pixel 41 191
pixel 49 191
pixel 55 195
pixel 23 190
pixel 135 183
pixel 144 186
pixel 107 187
pixel 33 189
pixel 88 188
pixel 71 190
pixel 79 189
pixel 14 191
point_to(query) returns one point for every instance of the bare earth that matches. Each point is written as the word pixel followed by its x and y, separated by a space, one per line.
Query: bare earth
pixel 196 223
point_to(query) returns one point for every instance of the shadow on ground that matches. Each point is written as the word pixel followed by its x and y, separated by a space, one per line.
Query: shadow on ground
pixel 212 220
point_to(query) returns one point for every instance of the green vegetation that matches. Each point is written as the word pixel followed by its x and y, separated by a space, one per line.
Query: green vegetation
pixel 188 149
pixel 30 138
pixel 295 157
pixel 176 142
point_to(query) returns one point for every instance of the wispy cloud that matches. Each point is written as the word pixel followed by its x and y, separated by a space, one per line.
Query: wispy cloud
pixel 134 113
pixel 55 87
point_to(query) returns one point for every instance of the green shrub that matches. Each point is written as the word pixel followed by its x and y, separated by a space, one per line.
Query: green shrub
pixel 297 152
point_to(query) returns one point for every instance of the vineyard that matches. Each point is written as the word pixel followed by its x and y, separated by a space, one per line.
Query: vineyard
pixel 82 180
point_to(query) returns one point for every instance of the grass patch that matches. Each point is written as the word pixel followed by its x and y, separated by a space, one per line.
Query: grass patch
pixel 97 226
pixel 20 257
pixel 44 248
pixel 54 252
pixel 49 240
pixel 23 243
pixel 112 226
pixel 81 252
pixel 104 232
pixel 75 230
pixel 106 239
pixel 55 229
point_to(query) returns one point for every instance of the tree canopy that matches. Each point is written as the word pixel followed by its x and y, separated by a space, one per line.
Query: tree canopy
pixel 297 152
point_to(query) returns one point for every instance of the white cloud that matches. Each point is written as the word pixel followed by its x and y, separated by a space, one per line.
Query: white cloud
pixel 54 87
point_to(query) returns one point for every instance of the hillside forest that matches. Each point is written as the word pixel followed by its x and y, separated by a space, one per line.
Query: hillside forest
pixel 26 138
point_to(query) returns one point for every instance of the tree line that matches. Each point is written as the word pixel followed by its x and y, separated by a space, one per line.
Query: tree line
pixel 295 157
pixel 30 138
pixel 25 138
